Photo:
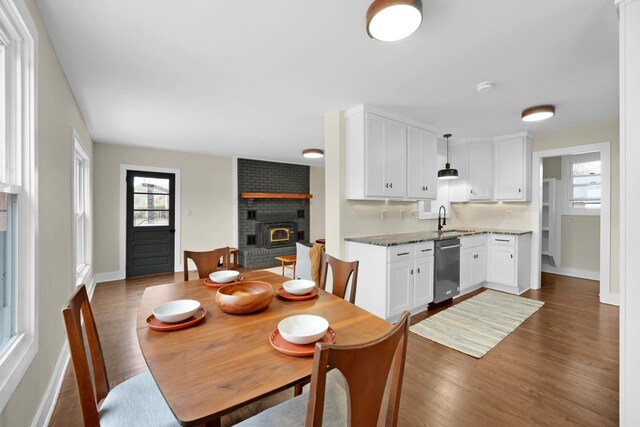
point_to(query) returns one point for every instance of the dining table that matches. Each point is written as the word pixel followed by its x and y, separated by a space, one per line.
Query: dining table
pixel 227 361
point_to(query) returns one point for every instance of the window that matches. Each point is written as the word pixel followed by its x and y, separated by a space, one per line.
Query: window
pixel 18 198
pixel 584 180
pixel 81 210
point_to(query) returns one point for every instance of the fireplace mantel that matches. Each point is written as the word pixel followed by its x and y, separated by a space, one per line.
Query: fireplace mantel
pixel 275 196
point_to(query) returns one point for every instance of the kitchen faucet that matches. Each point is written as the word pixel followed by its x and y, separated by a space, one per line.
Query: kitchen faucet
pixel 444 217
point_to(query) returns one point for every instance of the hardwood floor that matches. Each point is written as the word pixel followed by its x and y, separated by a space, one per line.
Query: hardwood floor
pixel 560 367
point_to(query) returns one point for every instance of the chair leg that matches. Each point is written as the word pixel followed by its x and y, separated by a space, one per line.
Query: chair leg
pixel 297 389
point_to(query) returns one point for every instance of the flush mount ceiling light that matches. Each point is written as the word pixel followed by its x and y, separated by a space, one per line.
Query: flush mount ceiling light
pixel 393 20
pixel 447 172
pixel 541 112
pixel 312 153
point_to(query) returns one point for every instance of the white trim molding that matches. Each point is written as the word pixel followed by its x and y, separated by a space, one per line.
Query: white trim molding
pixel 605 211
pixel 123 218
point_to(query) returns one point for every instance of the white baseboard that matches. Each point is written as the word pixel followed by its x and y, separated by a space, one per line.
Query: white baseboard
pixel 109 276
pixel 611 299
pixel 573 272
pixel 48 403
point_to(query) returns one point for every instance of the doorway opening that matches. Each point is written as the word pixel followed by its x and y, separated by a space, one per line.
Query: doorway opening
pixel 575 201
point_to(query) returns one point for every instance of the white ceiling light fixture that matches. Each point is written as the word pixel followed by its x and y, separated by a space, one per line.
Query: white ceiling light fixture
pixel 540 112
pixel 393 20
pixel 312 153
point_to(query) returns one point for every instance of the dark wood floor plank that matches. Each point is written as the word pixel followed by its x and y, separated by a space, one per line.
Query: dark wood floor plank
pixel 560 367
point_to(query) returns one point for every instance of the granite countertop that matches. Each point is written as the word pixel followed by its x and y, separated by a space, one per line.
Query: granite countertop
pixel 426 236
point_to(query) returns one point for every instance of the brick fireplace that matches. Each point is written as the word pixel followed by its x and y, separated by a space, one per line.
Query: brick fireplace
pixel 270 227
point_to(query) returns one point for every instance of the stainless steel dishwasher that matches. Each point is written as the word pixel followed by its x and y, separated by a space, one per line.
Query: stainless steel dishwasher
pixel 447 269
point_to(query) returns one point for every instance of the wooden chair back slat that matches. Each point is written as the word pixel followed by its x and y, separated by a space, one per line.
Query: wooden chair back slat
pixel 78 309
pixel 206 262
pixel 341 271
pixel 366 368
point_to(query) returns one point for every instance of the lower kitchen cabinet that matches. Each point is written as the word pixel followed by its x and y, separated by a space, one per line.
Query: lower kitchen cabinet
pixel 473 262
pixel 509 262
pixel 393 279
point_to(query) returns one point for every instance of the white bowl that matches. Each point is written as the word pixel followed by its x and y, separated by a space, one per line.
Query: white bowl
pixel 176 311
pixel 224 276
pixel 303 328
pixel 299 286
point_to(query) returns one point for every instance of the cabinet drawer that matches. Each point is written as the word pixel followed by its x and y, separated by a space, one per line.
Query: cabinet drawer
pixel 400 253
pixel 424 249
pixel 503 239
pixel 473 241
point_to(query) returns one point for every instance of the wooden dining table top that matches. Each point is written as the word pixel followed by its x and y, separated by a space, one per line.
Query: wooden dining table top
pixel 226 361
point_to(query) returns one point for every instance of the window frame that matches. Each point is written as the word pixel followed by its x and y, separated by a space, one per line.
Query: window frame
pixel 567 173
pixel 81 189
pixel 18 175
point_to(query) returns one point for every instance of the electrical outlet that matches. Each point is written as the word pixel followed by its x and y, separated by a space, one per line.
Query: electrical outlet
pixel 383 215
pixel 508 214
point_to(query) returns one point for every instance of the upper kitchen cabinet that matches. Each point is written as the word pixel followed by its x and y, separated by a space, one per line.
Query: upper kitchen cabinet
pixel 422 153
pixel 480 174
pixel 376 157
pixel 512 168
pixel 459 159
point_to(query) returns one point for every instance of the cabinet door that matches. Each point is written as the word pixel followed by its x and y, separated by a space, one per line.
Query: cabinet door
pixel 466 268
pixel 479 266
pixel 423 281
pixel 376 156
pixel 400 287
pixel 502 267
pixel 396 159
pixel 422 152
pixel 480 170
pixel 508 169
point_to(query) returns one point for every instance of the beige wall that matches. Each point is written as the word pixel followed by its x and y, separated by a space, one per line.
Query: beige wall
pixel 206 191
pixel 317 178
pixel 57 115
pixel 580 242
pixel 552 167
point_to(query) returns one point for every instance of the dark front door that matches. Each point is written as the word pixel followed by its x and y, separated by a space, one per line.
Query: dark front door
pixel 150 222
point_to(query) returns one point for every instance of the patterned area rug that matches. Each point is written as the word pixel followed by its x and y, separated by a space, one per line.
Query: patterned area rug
pixel 479 323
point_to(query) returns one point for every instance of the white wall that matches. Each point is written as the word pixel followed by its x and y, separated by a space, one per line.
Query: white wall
pixel 316 177
pixel 57 114
pixel 206 196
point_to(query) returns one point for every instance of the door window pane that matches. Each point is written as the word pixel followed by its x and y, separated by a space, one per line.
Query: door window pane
pixel 7 285
pixel 586 168
pixel 149 218
pixel 151 201
pixel 591 179
pixel 143 184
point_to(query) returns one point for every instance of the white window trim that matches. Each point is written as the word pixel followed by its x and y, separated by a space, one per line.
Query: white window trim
pixel 23 347
pixel 566 175
pixel 79 150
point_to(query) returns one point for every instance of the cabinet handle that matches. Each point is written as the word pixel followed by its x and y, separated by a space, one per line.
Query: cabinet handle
pixel 412 272
pixel 418 270
pixel 391 185
pixel 501 240
pixel 471 191
pixel 519 190
pixel 426 188
pixel 511 256
pixel 403 253
pixel 425 250
pixel 386 185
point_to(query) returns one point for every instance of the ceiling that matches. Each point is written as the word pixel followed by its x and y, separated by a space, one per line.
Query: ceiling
pixel 256 78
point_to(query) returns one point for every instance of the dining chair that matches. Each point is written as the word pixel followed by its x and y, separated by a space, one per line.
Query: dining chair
pixel 134 402
pixel 341 271
pixel 366 369
pixel 206 262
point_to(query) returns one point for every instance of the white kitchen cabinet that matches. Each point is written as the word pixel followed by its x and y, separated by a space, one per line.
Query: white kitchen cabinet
pixel 393 279
pixel 473 261
pixel 509 262
pixel 480 173
pixel 512 168
pixel 388 158
pixel 459 159
pixel 422 153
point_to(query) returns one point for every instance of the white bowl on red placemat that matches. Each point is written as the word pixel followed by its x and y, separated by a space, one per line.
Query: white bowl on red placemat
pixel 303 328
pixel 224 276
pixel 299 286
pixel 176 311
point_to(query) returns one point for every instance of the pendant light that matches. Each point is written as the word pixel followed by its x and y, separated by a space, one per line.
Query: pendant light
pixel 393 20
pixel 447 172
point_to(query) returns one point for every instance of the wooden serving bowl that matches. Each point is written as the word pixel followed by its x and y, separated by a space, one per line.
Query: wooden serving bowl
pixel 244 297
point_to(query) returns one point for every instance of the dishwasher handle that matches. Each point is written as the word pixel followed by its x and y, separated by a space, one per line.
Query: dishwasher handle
pixel 442 248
